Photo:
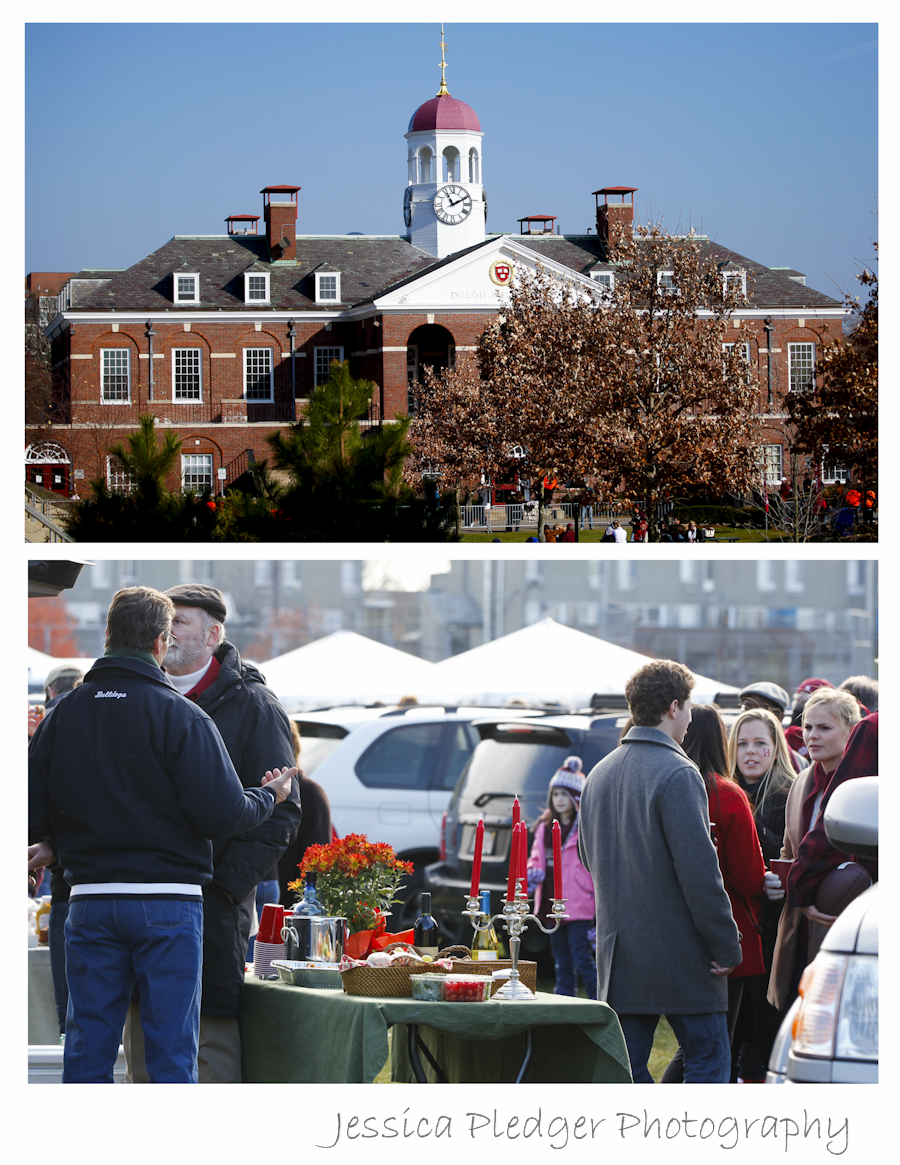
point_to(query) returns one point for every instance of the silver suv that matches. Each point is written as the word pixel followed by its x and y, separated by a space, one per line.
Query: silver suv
pixel 830 1035
pixel 389 773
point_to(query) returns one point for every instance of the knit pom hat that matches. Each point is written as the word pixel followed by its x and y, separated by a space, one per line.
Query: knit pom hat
pixel 569 778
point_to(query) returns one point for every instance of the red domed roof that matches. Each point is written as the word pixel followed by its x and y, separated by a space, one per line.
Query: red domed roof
pixel 444 113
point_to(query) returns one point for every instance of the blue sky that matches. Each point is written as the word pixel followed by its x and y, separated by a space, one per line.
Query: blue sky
pixel 763 136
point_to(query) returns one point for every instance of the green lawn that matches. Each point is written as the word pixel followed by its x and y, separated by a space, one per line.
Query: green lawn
pixel 723 533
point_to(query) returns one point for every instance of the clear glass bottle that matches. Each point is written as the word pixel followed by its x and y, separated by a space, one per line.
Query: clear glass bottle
pixel 485 947
pixel 309 906
pixel 425 934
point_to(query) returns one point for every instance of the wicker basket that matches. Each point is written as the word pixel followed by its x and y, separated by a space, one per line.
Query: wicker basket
pixel 391 981
pixel 464 964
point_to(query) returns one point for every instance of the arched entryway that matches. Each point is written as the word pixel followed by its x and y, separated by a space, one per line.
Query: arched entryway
pixel 429 346
pixel 49 465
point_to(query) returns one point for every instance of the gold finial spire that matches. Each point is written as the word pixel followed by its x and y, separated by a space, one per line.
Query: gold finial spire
pixel 443 91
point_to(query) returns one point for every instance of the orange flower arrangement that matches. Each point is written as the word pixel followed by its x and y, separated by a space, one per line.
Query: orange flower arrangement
pixel 356 879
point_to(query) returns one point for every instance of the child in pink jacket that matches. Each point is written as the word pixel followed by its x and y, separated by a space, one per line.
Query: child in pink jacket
pixel 572 953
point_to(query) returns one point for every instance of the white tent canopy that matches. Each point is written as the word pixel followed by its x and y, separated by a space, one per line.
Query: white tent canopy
pixel 345 668
pixel 40 665
pixel 545 661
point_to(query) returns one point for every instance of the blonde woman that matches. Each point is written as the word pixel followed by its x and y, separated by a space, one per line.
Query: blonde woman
pixel 829 717
pixel 759 761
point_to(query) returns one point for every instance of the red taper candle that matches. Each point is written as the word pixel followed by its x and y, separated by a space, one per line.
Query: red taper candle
pixel 517 813
pixel 476 860
pixel 513 865
pixel 557 861
pixel 523 857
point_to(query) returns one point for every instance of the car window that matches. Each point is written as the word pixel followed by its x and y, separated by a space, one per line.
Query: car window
pixel 316 742
pixel 461 744
pixel 404 758
pixel 501 770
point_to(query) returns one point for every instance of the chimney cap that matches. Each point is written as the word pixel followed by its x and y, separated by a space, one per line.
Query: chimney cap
pixel 623 190
pixel 280 189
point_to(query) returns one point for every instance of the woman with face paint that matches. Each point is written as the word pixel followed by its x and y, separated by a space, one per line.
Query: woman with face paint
pixel 829 717
pixel 759 761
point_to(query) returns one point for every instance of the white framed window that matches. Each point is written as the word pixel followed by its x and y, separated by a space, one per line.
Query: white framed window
pixel 412 363
pixel 328 287
pixel 118 479
pixel 801 367
pixel 665 281
pixel 115 375
pixel 258 374
pixel 833 472
pixel 765 575
pixel 186 373
pixel 196 472
pixel 771 459
pixel 323 359
pixel 795 575
pixel 186 287
pixel 744 353
pixel 735 282
pixel 256 287
pixel 606 280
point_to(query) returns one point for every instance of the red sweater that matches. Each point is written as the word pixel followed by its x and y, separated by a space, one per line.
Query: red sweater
pixel 742 865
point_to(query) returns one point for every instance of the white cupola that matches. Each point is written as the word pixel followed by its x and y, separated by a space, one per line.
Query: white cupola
pixel 444 205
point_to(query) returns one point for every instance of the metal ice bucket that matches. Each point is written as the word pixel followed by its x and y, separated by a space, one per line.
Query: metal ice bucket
pixel 316 939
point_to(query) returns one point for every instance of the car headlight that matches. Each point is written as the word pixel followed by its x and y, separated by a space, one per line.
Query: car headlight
pixel 838 1016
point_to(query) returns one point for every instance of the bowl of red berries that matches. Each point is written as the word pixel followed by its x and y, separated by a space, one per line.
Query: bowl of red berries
pixel 466 988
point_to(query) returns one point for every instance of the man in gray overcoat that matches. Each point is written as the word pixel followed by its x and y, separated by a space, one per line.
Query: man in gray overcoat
pixel 666 939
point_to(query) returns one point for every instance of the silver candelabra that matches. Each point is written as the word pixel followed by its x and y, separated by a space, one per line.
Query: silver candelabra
pixel 514 917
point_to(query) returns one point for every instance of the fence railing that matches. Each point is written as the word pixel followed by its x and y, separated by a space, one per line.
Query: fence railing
pixel 524 516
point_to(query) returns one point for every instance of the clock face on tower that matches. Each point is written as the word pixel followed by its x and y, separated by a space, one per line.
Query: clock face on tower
pixel 407 205
pixel 452 204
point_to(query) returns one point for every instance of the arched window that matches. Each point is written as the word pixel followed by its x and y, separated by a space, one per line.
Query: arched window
pixel 451 164
pixel 473 165
pixel 425 157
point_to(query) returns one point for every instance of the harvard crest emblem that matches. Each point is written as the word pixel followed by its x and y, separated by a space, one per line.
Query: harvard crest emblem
pixel 500 273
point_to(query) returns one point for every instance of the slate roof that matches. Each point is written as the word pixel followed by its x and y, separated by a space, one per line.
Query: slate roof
pixel 367 264
pixel 768 288
pixel 370 266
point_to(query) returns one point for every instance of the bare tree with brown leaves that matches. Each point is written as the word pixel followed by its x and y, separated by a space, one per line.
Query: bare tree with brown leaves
pixel 674 409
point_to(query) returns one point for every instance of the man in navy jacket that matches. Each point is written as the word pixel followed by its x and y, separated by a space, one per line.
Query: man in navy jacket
pixel 128 782
pixel 205 668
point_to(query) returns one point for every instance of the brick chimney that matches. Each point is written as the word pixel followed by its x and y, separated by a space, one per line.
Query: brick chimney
pixel 614 220
pixel 280 211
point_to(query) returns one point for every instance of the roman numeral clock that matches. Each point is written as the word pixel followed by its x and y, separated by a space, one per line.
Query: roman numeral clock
pixel 452 204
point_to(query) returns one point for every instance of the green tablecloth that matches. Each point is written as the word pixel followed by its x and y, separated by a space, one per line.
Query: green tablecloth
pixel 300 1035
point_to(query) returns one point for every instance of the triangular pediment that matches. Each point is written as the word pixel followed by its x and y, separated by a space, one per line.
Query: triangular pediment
pixel 478 278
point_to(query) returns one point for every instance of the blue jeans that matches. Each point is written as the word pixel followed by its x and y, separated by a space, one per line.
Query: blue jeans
pixel 572 953
pixel 59 911
pixel 111 943
pixel 702 1038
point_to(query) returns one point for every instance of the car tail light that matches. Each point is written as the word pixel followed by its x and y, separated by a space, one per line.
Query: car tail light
pixel 442 846
pixel 838 1015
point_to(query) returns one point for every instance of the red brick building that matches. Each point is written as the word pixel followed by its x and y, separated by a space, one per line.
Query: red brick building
pixel 222 338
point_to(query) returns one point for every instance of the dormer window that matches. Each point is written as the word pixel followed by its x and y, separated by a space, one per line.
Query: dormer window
pixel 186 287
pixel 328 287
pixel 605 279
pixel 735 283
pixel 256 287
pixel 665 281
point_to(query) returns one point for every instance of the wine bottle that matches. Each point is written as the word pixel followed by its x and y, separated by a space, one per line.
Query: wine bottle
pixel 484 943
pixel 309 906
pixel 425 934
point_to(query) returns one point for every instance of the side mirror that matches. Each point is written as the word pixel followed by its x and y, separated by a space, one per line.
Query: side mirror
pixel 851 817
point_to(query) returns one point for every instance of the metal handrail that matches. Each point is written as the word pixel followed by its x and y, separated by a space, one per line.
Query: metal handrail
pixel 56 535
